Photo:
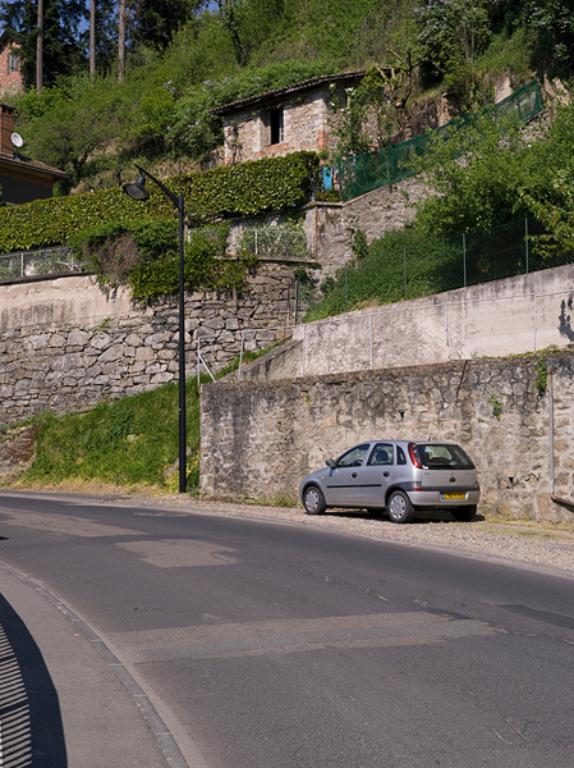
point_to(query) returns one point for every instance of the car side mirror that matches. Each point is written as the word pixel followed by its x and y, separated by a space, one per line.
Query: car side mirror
pixel 331 463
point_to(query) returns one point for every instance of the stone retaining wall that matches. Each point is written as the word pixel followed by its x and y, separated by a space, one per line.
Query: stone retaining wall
pixel 64 345
pixel 259 440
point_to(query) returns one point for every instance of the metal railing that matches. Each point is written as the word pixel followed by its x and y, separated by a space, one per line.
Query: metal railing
pixel 249 341
pixel 276 242
pixel 48 262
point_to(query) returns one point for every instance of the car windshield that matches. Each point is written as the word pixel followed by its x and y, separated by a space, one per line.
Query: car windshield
pixel 442 456
pixel 354 457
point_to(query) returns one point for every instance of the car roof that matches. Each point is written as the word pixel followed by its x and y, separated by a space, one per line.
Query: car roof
pixel 404 440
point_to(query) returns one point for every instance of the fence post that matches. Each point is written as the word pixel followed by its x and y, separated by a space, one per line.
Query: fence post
pixel 296 299
pixel 405 270
pixel 256 245
pixel 526 244
pixel 535 322
pixel 198 362
pixel 241 354
pixel 304 349
pixel 464 259
pixel 22 264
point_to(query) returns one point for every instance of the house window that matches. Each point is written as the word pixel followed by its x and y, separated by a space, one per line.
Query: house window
pixel 276 126
pixel 13 63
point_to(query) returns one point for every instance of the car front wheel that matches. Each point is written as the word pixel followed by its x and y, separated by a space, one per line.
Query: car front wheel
pixel 400 508
pixel 313 500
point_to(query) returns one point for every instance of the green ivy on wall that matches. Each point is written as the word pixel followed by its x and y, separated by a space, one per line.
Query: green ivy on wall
pixel 250 188
pixel 144 256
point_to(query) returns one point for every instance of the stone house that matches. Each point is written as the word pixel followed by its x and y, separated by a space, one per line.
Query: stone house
pixel 21 179
pixel 299 117
pixel 11 80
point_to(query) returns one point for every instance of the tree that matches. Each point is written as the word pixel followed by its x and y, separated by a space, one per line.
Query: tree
pixel 228 12
pixel 482 191
pixel 105 29
pixel 39 45
pixel 155 22
pixel 377 110
pixel 451 35
pixel 59 39
pixel 553 22
pixel 92 43
pixel 122 40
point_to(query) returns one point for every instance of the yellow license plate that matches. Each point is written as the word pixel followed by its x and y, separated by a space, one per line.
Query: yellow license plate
pixel 453 496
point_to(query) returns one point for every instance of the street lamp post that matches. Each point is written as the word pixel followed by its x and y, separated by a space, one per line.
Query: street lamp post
pixel 138 191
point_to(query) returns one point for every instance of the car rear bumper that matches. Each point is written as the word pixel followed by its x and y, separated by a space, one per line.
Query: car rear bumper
pixel 437 498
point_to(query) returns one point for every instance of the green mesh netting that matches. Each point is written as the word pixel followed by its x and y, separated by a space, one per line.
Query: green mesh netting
pixel 362 173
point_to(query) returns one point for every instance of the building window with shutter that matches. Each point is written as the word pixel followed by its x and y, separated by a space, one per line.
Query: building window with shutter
pixel 276 126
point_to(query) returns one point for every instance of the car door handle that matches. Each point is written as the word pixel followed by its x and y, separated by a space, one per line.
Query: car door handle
pixel 353 474
pixel 385 474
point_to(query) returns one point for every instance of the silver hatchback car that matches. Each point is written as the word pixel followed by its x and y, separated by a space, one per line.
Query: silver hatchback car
pixel 399 476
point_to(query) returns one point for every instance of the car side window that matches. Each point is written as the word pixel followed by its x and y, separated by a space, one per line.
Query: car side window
pixel 354 457
pixel 401 458
pixel 381 455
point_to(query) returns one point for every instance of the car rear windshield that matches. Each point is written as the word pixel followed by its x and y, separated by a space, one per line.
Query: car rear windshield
pixel 442 456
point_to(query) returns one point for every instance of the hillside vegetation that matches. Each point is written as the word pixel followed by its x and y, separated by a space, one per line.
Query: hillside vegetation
pixel 132 442
pixel 507 209
pixel 161 112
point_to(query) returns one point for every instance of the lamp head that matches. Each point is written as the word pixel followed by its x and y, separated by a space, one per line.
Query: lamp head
pixel 136 189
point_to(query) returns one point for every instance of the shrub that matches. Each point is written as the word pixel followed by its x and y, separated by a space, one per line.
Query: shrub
pixel 247 189
pixel 144 255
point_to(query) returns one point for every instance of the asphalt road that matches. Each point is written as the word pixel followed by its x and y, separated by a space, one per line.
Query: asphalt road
pixel 269 646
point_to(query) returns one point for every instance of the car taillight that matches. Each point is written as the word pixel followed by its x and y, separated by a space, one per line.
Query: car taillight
pixel 417 486
pixel 414 457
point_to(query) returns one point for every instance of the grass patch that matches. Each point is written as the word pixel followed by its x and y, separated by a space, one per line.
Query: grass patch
pixel 402 264
pixel 130 443
pixel 414 262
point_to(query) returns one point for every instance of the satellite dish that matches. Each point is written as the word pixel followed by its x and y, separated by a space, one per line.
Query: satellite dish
pixel 17 140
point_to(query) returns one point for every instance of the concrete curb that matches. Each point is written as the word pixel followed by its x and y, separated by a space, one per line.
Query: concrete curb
pixel 53 632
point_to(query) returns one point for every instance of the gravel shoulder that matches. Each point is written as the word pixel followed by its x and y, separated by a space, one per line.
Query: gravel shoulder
pixel 543 545
pixel 547 546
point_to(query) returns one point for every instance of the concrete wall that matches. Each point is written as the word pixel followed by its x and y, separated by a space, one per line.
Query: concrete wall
pixel 331 227
pixel 519 314
pixel 65 345
pixel 259 440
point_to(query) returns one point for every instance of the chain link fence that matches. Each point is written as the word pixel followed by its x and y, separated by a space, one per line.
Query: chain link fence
pixel 49 262
pixel 410 265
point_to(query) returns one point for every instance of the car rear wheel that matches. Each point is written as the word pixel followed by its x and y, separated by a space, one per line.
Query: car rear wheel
pixel 400 508
pixel 313 500
pixel 464 514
